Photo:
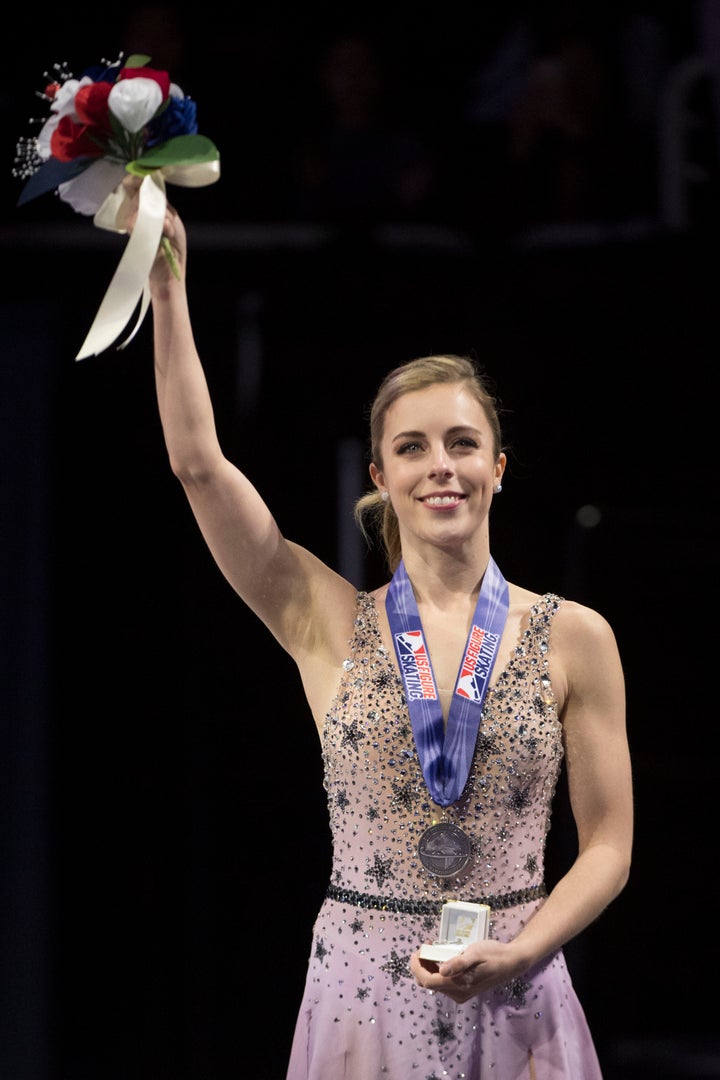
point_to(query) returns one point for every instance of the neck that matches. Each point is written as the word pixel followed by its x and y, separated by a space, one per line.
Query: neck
pixel 443 577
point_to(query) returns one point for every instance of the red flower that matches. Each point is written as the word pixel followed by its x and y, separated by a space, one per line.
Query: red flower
pixel 70 140
pixel 91 105
pixel 161 77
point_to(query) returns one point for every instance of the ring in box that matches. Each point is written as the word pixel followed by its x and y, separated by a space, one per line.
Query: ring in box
pixel 460 925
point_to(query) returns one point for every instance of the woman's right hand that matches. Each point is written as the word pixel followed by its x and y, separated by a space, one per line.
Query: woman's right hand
pixel 173 233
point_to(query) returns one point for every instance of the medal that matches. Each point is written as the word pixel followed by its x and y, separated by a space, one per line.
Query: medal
pixel 444 849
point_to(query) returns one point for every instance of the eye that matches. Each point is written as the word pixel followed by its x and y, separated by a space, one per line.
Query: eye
pixel 466 442
pixel 408 447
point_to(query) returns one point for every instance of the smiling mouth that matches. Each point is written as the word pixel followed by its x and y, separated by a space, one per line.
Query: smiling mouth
pixel 442 500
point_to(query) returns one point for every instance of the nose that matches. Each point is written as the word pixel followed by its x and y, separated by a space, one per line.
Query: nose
pixel 440 462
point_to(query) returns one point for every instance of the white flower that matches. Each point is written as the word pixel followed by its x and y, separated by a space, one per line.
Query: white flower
pixel 64 100
pixel 134 102
pixel 88 191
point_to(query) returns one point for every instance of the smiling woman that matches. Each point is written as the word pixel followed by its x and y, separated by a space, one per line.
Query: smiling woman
pixel 438 466
pixel 445 701
pixel 429 382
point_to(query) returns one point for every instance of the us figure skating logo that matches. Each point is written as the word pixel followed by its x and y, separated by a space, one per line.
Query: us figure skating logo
pixel 414 660
pixel 476 663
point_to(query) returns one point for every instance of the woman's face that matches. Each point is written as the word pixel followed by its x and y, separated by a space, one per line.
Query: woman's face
pixel 439 465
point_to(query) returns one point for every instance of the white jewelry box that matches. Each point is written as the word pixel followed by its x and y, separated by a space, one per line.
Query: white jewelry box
pixel 460 925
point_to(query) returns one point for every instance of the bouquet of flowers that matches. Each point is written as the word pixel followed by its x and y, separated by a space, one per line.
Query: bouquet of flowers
pixel 117 118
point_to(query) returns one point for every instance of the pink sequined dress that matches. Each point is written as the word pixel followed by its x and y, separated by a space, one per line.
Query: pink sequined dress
pixel 363 1017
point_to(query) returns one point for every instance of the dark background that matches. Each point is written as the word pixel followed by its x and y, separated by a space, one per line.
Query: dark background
pixel 164 834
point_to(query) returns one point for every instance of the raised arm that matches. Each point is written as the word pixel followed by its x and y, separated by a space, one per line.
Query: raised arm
pixel 287 587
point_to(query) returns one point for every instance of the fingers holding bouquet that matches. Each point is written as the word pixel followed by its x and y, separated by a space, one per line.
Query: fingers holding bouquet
pixel 173 245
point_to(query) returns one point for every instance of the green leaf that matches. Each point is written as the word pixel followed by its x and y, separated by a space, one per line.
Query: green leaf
pixel 182 150
pixel 137 60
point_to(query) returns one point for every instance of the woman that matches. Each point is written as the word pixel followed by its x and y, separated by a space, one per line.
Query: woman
pixel 445 701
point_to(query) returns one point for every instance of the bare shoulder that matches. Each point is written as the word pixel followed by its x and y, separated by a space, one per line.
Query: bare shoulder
pixel 330 611
pixel 582 627
pixel 314 610
pixel 583 649
pixel 585 653
pixel 572 619
pixel 320 637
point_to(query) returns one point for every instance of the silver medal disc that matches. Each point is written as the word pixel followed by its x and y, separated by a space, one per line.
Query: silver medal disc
pixel 444 849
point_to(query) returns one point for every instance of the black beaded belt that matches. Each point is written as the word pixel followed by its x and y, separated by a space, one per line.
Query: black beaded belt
pixel 430 907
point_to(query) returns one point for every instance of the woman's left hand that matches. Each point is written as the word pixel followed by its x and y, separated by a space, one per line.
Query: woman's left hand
pixel 480 967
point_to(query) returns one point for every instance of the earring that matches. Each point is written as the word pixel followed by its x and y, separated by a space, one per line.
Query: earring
pixel 498 489
pixel 384 496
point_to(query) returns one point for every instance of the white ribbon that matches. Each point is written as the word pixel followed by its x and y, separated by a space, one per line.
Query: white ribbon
pixel 129 285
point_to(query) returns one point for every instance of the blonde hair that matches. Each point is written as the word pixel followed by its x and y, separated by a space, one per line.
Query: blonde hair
pixel 372 514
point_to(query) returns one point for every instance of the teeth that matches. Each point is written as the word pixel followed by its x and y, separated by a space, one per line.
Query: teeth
pixel 441 500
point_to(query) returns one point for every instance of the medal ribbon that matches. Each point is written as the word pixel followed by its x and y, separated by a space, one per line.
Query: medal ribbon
pixel 446 754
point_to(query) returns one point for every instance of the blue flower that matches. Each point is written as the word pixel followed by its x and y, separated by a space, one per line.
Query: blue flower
pixel 179 118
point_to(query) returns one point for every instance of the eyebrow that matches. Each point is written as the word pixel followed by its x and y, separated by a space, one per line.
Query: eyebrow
pixel 450 431
pixel 408 435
